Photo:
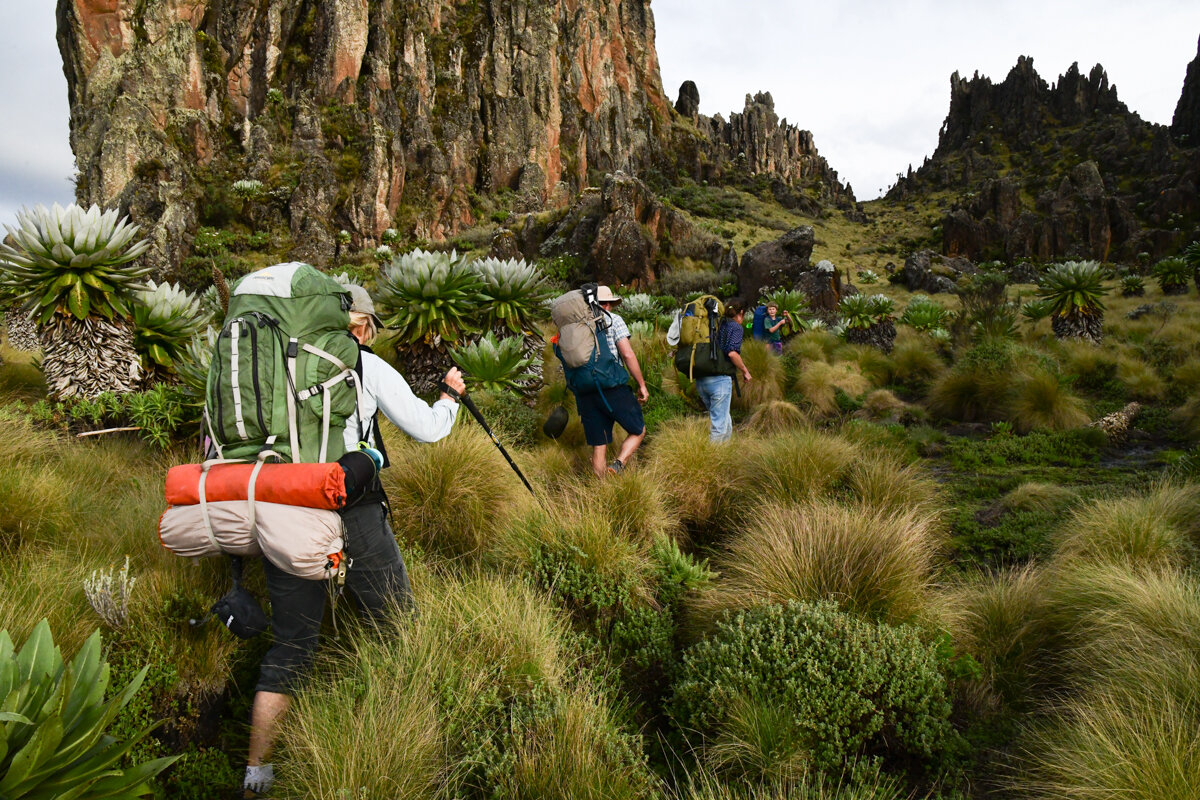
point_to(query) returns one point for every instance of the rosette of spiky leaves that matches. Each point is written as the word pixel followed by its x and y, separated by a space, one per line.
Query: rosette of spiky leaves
pixel 1173 275
pixel 494 364
pixel 430 296
pixel 924 314
pixel 639 308
pixel 1074 287
pixel 856 311
pixel 73 262
pixel 165 317
pixel 868 276
pixel 1191 255
pixel 514 293
pixel 247 189
pixel 1133 286
pixel 1074 292
pixel 790 301
pixel 883 308
pixel 1035 311
pixel 192 364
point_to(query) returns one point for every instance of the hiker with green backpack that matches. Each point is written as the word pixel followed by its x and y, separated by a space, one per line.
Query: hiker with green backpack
pixel 293 380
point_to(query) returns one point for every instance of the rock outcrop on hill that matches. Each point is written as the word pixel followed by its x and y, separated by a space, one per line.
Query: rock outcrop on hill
pixel 359 116
pixel 1055 172
pixel 1185 124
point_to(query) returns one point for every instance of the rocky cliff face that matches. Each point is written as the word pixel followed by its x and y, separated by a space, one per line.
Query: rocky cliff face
pixel 1055 171
pixel 358 116
pixel 1185 124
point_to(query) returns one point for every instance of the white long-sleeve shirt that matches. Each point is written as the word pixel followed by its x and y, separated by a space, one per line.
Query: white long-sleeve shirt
pixel 385 389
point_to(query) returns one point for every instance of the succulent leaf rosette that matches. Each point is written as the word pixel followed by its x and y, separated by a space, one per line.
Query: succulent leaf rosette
pixel 514 292
pixel 73 262
pixel 925 314
pixel 640 308
pixel 165 318
pixel 424 295
pixel 495 364
pixel 1074 287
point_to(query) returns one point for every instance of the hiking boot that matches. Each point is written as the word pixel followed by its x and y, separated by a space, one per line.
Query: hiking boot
pixel 258 781
pixel 615 467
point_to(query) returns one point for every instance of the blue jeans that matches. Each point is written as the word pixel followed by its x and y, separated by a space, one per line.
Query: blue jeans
pixel 716 391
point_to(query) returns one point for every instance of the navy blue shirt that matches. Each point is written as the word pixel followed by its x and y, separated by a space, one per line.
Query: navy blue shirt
pixel 729 337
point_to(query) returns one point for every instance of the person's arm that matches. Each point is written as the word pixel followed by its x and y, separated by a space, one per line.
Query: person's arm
pixel 777 325
pixel 635 369
pixel 733 349
pixel 406 411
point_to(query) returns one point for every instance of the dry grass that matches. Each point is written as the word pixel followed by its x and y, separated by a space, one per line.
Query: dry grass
pixel 767 371
pixel 882 406
pixel 1036 496
pixel 883 483
pixel 819 382
pixel 776 417
pixel 450 497
pixel 874 563
pixel 1160 528
pixel 792 467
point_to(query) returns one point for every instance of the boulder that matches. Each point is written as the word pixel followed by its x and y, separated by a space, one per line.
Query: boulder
pixel 926 271
pixel 776 264
pixel 688 104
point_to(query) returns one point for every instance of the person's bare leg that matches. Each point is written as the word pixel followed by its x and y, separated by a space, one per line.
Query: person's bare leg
pixel 631 444
pixel 264 721
pixel 599 464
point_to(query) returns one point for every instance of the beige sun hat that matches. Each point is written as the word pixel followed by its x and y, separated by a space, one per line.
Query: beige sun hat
pixel 360 300
pixel 605 295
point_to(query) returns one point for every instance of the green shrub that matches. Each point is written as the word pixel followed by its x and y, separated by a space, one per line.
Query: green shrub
pixel 54 722
pixel 844 688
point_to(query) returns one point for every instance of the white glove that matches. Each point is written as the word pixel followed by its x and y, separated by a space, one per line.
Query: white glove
pixel 259 779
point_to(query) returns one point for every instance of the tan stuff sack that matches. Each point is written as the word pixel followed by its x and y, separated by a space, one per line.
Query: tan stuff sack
pixel 305 542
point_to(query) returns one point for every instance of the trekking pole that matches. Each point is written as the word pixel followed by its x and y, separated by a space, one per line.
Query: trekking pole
pixel 470 404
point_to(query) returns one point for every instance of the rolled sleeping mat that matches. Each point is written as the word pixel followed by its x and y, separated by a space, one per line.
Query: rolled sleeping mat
pixel 308 485
pixel 305 542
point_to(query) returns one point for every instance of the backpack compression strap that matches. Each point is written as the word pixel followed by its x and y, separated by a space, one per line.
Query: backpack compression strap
pixel 344 374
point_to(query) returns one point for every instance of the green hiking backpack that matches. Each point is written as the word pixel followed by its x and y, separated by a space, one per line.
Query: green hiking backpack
pixel 282 378
pixel 698 355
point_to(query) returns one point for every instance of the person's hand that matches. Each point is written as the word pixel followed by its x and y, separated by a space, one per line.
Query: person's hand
pixel 454 380
pixel 643 393
pixel 746 375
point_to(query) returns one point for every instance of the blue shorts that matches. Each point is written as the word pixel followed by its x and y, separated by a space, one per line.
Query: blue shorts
pixel 598 420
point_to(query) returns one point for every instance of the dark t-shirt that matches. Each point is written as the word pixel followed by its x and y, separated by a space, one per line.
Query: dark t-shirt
pixel 729 337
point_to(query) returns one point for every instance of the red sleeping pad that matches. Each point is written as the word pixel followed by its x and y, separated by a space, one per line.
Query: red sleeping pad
pixel 306 485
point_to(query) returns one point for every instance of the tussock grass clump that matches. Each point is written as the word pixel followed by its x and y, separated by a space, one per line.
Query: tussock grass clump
pixel 812 346
pixel 1037 496
pixel 1091 366
pixel 914 362
pixel 791 467
pixel 872 363
pixel 451 496
pixel 776 417
pixel 701 479
pixel 873 563
pixel 818 384
pixel 636 507
pixel 999 619
pixel 702 785
pixel 1159 528
pixel 768 373
pixel 969 395
pixel 882 406
pixel 1102 746
pixel 1188 417
pixel 1186 377
pixel 1039 401
pixel 1140 380
pixel 884 483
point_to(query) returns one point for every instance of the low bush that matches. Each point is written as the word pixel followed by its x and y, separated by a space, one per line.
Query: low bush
pixel 827 685
pixel 874 563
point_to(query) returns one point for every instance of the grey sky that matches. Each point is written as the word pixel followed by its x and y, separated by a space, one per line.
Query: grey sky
pixel 869 78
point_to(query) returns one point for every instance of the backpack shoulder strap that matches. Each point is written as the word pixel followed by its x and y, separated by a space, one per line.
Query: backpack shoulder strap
pixel 370 429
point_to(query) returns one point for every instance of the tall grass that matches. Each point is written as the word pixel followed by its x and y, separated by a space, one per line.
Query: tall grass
pixel 999 619
pixel 1159 528
pixel 1039 401
pixel 870 562
pixel 1038 496
pixel 1140 379
pixel 450 497
pixel 768 376
pixel 914 362
pixel 702 785
pixel 792 467
pixel 969 395
pixel 882 482
pixel 818 384
pixel 776 417
pixel 701 479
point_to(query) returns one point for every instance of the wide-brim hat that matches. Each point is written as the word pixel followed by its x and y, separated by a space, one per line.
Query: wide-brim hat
pixel 360 300
pixel 605 295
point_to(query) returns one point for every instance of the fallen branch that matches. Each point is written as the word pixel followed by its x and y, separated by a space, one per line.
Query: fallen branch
pixel 107 430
